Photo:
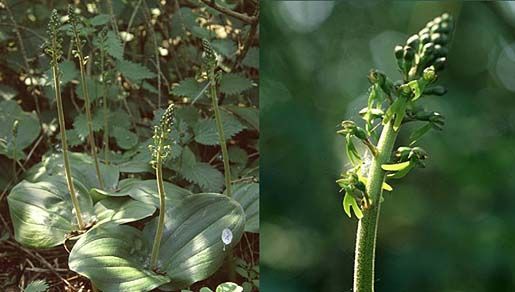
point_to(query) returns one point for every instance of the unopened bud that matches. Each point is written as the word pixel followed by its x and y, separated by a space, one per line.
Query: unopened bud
pixel 429 74
pixel 439 63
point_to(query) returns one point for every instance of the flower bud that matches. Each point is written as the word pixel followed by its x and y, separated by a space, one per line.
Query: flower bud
pixel 425 38
pixel 423 31
pixel 439 38
pixel 439 63
pixel 409 53
pixel 399 52
pixel 441 51
pixel 428 49
pixel 413 41
pixel 429 74
pixel 435 90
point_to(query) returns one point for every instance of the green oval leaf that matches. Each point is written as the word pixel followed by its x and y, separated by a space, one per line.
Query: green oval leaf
pixel 248 197
pixel 116 258
pixel 42 212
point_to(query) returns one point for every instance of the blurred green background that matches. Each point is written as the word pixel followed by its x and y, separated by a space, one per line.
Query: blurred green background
pixel 448 227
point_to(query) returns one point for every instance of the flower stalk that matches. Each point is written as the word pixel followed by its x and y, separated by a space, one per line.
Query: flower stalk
pixel 160 150
pixel 54 50
pixel 210 62
pixel 390 105
pixel 78 43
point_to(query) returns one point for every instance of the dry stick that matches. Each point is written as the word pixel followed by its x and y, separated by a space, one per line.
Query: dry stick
pixel 243 17
pixel 129 24
pixel 156 51
pixel 23 51
pixel 41 260
pixel 248 42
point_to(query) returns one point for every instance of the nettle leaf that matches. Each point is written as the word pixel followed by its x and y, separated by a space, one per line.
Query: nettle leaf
pixel 115 258
pixel 247 114
pixel 252 58
pixel 94 89
pixel 80 124
pixel 203 174
pixel 37 286
pixel 248 197
pixel 225 47
pixel 114 46
pixel 206 132
pixel 190 88
pixel 68 71
pixel 83 170
pixel 233 83
pixel 133 71
pixel 42 212
pixel 124 138
pixel 100 19
pixel 28 128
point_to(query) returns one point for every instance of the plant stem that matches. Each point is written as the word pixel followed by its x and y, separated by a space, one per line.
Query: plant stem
pixel 367 226
pixel 14 159
pixel 106 107
pixel 219 126
pixel 67 169
pixel 85 92
pixel 161 219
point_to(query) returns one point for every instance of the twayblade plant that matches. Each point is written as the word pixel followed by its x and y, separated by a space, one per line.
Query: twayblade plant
pixel 183 245
pixel 211 64
pixel 160 149
pixel 54 49
pixel 391 105
pixel 78 43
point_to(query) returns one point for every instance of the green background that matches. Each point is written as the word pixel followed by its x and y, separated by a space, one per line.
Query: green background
pixel 448 227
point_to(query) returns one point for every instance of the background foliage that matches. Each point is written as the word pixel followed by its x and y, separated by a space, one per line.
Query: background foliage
pixel 448 227
pixel 152 57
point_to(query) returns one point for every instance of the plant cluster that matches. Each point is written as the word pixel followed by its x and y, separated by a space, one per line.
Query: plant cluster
pixel 390 106
pixel 166 142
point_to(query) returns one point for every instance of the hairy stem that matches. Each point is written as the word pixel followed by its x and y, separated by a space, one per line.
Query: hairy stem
pixel 219 126
pixel 15 160
pixel 161 219
pixel 85 93
pixel 367 226
pixel 62 128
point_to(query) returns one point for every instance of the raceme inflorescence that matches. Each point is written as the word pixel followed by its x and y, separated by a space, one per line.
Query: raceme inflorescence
pixel 390 106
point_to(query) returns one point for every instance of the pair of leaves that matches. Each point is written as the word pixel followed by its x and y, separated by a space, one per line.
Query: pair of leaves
pixel 43 214
pixel 116 258
pixel 248 197
pixel 82 168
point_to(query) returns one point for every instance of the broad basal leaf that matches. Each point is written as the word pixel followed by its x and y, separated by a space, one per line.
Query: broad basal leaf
pixel 146 191
pixel 42 213
pixel 248 197
pixel 83 169
pixel 121 210
pixel 116 258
